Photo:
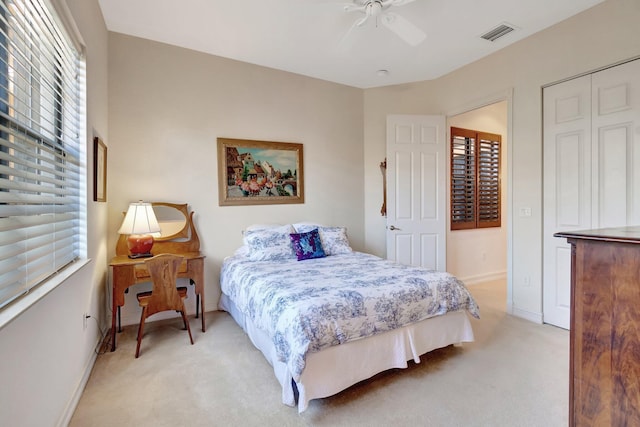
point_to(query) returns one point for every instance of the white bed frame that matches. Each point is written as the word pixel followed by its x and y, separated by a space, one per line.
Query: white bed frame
pixel 334 369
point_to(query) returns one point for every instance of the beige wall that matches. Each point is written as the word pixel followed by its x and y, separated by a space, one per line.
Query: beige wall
pixel 595 38
pixel 481 254
pixel 45 352
pixel 167 106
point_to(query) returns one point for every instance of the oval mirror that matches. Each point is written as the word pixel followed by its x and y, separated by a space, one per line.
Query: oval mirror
pixel 173 220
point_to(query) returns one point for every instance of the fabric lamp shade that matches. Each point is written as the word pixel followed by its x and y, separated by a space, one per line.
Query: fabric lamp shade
pixel 138 223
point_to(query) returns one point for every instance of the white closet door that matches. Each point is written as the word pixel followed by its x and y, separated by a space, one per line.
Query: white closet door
pixel 591 168
pixel 567 187
pixel 616 146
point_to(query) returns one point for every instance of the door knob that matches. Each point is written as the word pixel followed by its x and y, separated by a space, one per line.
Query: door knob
pixel 393 228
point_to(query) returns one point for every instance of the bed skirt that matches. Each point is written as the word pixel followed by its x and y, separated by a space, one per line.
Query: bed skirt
pixel 334 369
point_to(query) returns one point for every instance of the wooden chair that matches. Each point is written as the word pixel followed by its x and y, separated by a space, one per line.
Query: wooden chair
pixel 164 296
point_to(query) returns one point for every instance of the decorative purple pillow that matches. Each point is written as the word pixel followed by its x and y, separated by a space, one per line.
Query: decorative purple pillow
pixel 307 245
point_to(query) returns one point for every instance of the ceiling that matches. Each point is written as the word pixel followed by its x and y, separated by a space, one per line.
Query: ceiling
pixel 313 37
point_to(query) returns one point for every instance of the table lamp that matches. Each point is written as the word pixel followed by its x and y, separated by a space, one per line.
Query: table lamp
pixel 138 223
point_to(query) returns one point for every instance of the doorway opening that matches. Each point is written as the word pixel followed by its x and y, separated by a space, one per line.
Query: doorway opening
pixel 480 255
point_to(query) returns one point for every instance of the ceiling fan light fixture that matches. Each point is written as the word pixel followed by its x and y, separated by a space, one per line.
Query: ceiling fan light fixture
pixel 379 11
pixel 373 8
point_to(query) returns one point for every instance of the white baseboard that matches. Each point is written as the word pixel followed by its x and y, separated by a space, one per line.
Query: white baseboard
pixel 486 277
pixel 527 315
pixel 65 418
pixel 514 311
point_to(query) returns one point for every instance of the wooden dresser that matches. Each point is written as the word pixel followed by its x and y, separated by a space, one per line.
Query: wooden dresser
pixel 604 382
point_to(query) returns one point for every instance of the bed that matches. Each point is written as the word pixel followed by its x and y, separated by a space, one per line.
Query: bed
pixel 327 317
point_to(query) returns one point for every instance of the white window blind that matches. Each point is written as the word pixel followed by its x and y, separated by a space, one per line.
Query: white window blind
pixel 40 164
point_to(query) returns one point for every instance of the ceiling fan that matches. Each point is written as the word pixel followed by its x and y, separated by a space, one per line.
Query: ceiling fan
pixel 379 10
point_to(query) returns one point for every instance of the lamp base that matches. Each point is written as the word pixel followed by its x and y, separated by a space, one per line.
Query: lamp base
pixel 140 245
pixel 136 256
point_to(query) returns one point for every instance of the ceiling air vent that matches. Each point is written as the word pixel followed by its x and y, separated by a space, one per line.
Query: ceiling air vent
pixel 499 31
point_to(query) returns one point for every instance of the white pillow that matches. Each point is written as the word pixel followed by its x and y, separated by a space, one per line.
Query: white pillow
pixel 303 227
pixel 270 243
pixel 242 251
pixel 256 227
pixel 334 239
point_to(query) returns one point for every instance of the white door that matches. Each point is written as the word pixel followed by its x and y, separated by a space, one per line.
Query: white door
pixel 567 188
pixel 591 168
pixel 616 146
pixel 416 189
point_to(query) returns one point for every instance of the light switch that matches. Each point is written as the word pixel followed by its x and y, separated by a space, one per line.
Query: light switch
pixel 525 211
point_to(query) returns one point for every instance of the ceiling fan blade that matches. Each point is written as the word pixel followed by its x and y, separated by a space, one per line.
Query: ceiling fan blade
pixel 403 28
pixel 360 22
pixel 400 2
pixel 354 8
pixel 357 23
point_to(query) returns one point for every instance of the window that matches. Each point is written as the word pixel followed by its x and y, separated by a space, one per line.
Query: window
pixel 41 167
pixel 475 179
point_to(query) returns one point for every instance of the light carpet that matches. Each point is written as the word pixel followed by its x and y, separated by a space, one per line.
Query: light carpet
pixel 514 374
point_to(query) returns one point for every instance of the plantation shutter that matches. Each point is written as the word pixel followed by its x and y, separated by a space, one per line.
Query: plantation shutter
pixel 40 165
pixel 475 179
pixel 488 180
pixel 463 179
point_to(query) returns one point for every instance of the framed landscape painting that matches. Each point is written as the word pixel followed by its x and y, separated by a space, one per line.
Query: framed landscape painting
pixel 259 172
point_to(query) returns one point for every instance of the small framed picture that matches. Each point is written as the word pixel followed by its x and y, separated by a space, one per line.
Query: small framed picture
pixel 99 170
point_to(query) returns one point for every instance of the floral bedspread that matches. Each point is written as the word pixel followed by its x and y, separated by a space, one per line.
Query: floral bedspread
pixel 306 306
